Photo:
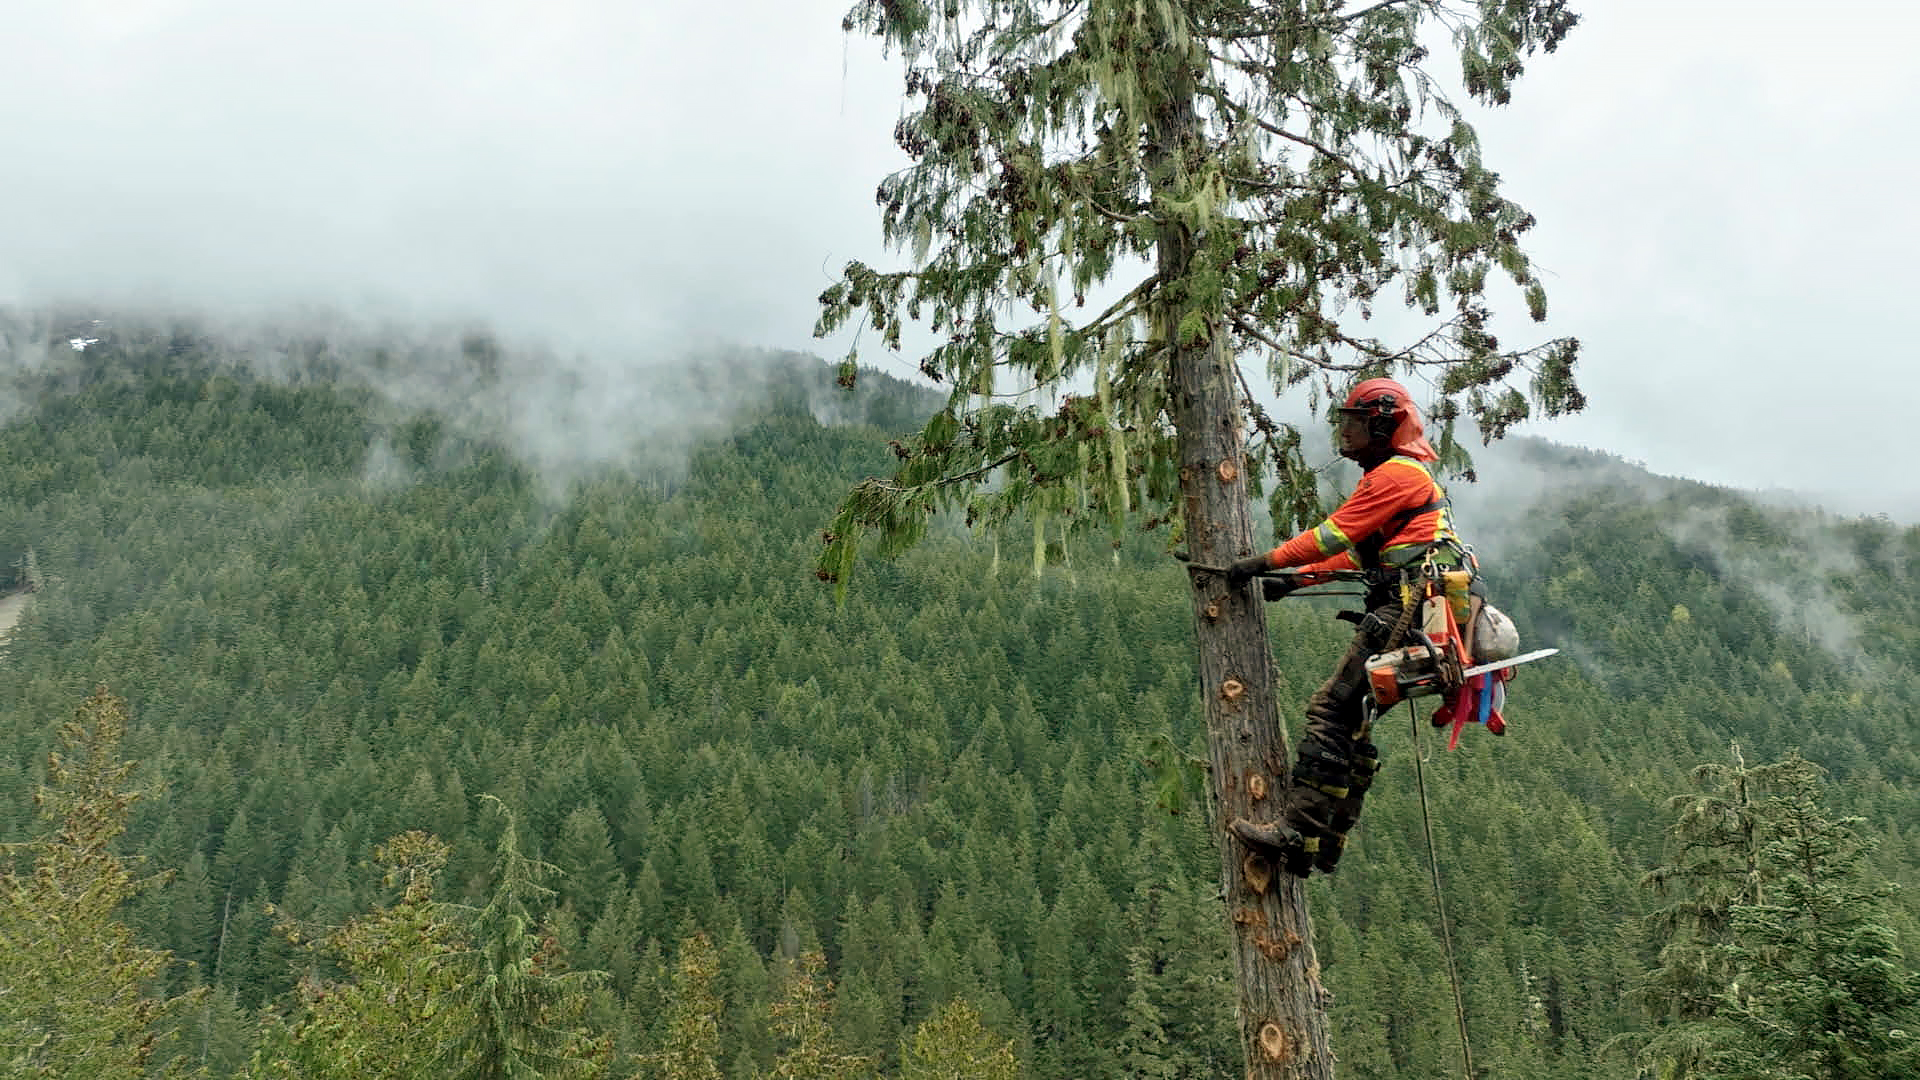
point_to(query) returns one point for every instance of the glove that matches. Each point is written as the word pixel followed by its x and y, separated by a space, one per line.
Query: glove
pixel 1245 569
pixel 1274 588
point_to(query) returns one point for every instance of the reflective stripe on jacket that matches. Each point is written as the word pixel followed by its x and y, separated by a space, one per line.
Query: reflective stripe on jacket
pixel 1385 493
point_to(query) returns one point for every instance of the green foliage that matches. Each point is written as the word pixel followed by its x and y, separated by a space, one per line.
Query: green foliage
pixel 1777 960
pixel 434 988
pixel 938 785
pixel 1823 988
pixel 956 1045
pixel 691 1048
pixel 75 998
pixel 804 1017
pixel 1718 838
pixel 1179 778
pixel 392 1014
pixel 438 989
pixel 1283 168
pixel 522 1009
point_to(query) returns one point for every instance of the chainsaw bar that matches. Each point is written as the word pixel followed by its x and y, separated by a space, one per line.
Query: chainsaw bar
pixel 1482 669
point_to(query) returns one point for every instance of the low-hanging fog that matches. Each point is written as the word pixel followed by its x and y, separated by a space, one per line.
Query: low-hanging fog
pixel 1723 214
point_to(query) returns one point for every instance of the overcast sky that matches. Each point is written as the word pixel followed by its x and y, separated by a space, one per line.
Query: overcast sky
pixel 1725 190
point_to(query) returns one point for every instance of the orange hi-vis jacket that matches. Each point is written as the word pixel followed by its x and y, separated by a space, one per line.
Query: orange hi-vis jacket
pixel 1386 494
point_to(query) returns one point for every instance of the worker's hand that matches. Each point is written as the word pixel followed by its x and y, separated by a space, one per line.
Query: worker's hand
pixel 1275 588
pixel 1245 569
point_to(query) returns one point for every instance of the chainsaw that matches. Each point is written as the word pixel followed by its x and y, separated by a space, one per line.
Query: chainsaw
pixel 1439 659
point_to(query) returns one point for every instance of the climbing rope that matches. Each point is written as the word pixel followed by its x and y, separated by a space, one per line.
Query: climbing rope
pixel 1439 902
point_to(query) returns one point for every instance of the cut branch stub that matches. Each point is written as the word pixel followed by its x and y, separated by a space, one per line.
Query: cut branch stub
pixel 1273 950
pixel 1256 786
pixel 1232 689
pixel 1273 1042
pixel 1258 873
pixel 1277 949
pixel 1229 472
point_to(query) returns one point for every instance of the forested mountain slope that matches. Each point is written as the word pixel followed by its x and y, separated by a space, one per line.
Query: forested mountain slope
pixel 337 616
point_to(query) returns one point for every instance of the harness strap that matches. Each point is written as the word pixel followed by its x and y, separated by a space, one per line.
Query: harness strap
pixel 1369 549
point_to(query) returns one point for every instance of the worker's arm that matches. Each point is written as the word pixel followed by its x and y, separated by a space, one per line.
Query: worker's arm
pixel 1318 573
pixel 1394 487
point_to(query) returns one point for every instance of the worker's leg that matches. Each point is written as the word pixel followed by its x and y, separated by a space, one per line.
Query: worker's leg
pixel 1334 766
pixel 1323 770
pixel 1342 711
pixel 1345 811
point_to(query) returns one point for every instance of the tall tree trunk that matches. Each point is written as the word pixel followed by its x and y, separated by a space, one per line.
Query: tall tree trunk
pixel 1283 1025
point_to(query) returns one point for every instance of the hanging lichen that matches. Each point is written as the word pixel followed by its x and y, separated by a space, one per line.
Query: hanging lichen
pixel 1319 169
pixel 1039 543
pixel 1120 496
pixel 1055 344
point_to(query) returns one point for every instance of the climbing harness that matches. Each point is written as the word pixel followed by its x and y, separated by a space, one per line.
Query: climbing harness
pixel 1435 602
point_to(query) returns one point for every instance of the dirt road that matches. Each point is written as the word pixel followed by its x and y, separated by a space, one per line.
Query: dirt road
pixel 12 606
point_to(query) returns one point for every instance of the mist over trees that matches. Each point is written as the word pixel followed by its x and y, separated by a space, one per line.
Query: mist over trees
pixel 860 840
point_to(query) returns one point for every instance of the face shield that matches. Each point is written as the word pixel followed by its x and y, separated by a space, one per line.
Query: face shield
pixel 1349 433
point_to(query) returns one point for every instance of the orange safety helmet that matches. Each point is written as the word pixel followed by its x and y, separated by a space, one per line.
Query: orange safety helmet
pixel 1387 402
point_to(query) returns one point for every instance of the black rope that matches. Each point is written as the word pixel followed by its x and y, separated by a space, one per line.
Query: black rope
pixel 1439 902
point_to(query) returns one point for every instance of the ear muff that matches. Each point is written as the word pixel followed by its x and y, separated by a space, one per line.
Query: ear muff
pixel 1382 416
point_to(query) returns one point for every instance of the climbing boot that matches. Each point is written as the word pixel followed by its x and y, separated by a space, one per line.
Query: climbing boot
pixel 1345 811
pixel 1298 838
pixel 1280 842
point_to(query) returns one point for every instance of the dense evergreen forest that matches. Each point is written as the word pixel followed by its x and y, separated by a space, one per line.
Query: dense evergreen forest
pixel 373 652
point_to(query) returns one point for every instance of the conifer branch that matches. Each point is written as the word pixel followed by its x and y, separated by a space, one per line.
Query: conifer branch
pixel 1352 17
pixel 888 487
pixel 1111 215
pixel 1311 144
pixel 1335 23
pixel 1257 334
pixel 1126 305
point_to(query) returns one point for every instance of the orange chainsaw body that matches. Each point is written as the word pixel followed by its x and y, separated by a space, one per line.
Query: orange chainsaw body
pixel 1419 670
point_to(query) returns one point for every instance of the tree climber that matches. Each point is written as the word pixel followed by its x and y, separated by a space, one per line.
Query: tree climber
pixel 1395 519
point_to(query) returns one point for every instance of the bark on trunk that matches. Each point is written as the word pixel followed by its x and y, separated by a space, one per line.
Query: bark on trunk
pixel 1282 1004
pixel 1283 1024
